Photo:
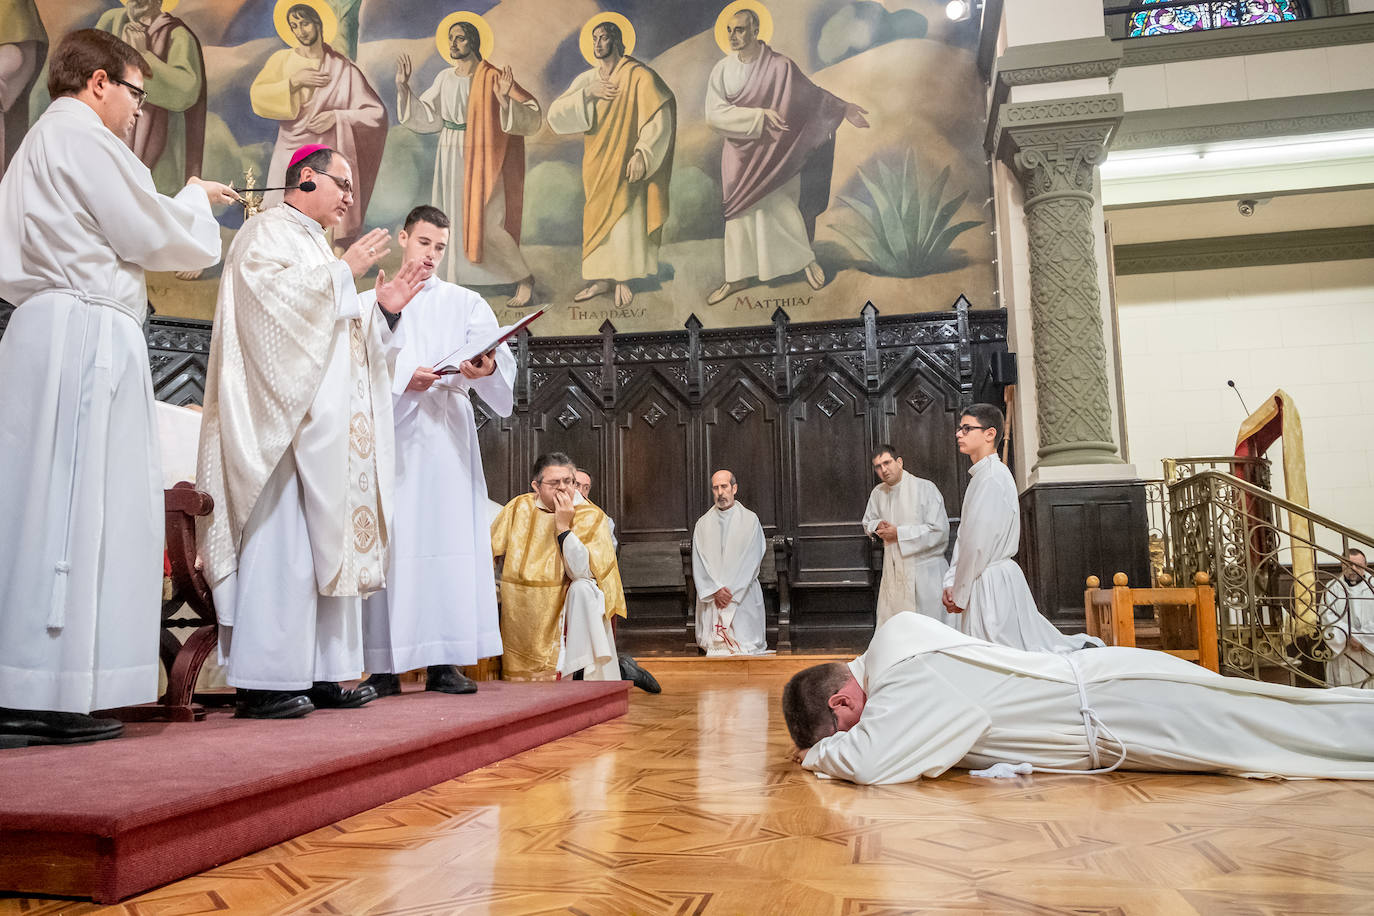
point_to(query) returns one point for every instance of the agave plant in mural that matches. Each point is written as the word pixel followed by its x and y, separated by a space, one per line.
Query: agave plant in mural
pixel 901 232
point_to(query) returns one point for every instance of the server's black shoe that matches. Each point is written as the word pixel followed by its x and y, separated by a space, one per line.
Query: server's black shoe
pixel 329 695
pixel 386 685
pixel 630 670
pixel 448 679
pixel 26 727
pixel 271 704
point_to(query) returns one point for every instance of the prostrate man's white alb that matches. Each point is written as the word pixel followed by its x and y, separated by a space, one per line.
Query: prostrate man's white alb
pixel 727 547
pixel 80 478
pixel 938 699
pixel 914 565
pixel 998 604
pixel 439 605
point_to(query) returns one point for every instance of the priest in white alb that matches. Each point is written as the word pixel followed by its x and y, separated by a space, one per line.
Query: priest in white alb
pixel 438 609
pixel 908 514
pixel 80 480
pixel 727 547
pixel 983 585
pixel 1348 624
pixel 925 698
pixel 296 447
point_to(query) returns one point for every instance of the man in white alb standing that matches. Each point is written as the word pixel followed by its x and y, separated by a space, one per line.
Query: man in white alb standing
pixel 80 477
pixel 908 514
pixel 438 609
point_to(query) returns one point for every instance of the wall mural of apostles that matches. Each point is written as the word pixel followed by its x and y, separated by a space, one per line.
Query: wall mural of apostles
pixel 629 160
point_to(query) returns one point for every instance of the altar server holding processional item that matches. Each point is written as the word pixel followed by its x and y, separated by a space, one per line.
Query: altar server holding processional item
pixel 296 447
pixel 983 584
pixel 80 477
pixel 925 698
pixel 727 547
pixel 907 513
pixel 438 609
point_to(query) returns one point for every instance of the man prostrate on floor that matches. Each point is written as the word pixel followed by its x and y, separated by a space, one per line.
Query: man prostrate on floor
pixel 983 583
pixel 296 447
pixel 80 479
pixel 925 698
pixel 908 514
pixel 560 585
pixel 727 547
pixel 438 609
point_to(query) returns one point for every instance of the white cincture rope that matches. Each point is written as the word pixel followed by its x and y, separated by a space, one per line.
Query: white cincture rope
pixel 1091 724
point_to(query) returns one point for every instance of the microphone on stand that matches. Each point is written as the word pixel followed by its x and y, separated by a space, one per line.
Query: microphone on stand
pixel 1232 383
pixel 306 186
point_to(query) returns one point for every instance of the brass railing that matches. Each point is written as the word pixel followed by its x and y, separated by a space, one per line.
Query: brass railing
pixel 1282 613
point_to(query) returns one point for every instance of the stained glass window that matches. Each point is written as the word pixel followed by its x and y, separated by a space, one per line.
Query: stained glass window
pixel 1218 14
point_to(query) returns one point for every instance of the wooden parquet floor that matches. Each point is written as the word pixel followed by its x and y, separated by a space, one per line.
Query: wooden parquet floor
pixel 689 806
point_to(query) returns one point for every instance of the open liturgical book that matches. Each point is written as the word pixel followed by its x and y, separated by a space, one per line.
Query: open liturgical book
pixel 476 348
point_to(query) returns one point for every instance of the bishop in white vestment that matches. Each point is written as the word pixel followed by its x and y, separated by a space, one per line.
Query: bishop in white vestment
pixel 80 479
pixel 908 513
pixel 296 448
pixel 925 698
pixel 439 604
pixel 727 548
pixel 983 579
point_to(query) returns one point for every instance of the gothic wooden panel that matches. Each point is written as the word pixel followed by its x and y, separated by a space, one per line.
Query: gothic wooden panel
pixel 566 419
pixel 742 434
pixel 506 476
pixel 654 430
pixel 921 428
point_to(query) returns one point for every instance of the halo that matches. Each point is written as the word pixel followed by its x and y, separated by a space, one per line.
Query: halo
pixel 723 20
pixel 584 41
pixel 327 18
pixel 447 23
pixel 167 5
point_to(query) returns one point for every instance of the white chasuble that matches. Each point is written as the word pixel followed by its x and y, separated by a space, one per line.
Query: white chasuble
pixel 988 585
pixel 727 548
pixel 914 565
pixel 938 699
pixel 439 604
pixel 80 479
pixel 297 413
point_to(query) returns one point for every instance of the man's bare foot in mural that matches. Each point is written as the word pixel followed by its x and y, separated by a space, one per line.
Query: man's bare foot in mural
pixel 814 275
pixel 725 291
pixel 524 292
pixel 623 295
pixel 592 290
pixel 189 274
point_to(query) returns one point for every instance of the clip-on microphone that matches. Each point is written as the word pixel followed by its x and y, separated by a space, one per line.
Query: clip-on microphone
pixel 306 186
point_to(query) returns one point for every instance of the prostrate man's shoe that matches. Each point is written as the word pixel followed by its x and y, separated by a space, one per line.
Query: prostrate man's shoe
pixel 26 727
pixel 386 685
pixel 329 695
pixel 271 704
pixel 448 679
pixel 630 670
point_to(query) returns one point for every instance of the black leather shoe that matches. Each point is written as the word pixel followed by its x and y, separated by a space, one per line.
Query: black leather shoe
pixel 271 704
pixel 386 685
pixel 448 679
pixel 329 695
pixel 630 670
pixel 25 727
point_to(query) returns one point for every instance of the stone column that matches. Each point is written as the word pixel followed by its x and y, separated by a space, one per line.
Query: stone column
pixel 1054 148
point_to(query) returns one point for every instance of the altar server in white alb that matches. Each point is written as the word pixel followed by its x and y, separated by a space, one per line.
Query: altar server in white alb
pixel 727 547
pixel 296 447
pixel 908 513
pixel 925 698
pixel 80 480
pixel 438 609
pixel 983 583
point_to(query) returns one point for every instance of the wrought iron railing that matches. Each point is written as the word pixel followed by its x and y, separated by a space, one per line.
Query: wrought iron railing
pixel 1290 607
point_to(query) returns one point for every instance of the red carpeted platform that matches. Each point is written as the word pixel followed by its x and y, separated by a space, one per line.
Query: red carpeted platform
pixel 114 818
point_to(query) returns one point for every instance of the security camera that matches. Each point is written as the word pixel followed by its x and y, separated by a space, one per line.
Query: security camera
pixel 1247 207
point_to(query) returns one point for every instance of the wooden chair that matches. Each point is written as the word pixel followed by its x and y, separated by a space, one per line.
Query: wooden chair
pixel 1111 615
pixel 773 576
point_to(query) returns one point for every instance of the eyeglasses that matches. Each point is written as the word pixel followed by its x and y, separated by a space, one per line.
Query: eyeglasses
pixel 560 482
pixel 344 184
pixel 963 429
pixel 140 94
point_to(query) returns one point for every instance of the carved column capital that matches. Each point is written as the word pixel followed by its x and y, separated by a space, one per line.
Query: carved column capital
pixel 1054 148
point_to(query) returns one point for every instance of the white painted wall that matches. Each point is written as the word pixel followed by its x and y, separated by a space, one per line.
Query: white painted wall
pixel 1306 328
